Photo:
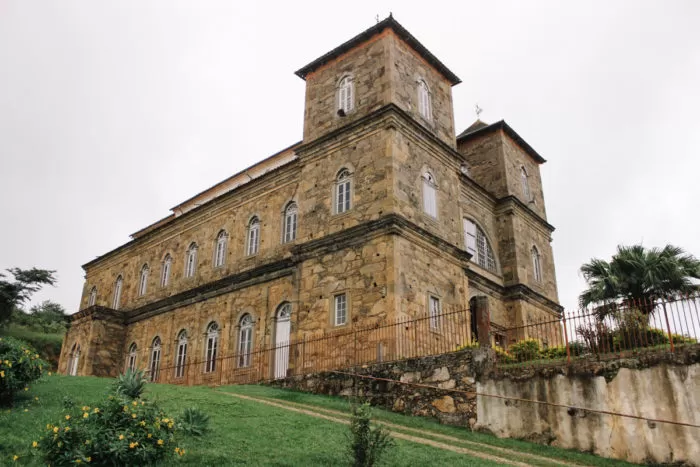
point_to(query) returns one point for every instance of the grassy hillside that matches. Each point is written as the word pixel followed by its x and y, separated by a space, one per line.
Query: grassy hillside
pixel 48 345
pixel 243 432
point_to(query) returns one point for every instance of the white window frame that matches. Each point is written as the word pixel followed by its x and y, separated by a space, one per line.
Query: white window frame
pixel 143 280
pixel 477 244
pixel 191 260
pixel 165 270
pixel 92 298
pixel 536 263
pixel 290 223
pixel 342 192
pixel 220 249
pixel 525 182
pixel 154 364
pixel 211 348
pixel 424 102
pixel 346 95
pixel 429 194
pixel 434 311
pixel 340 309
pixel 118 284
pixel 245 340
pixel 253 237
pixel 131 360
pixel 74 361
pixel 181 354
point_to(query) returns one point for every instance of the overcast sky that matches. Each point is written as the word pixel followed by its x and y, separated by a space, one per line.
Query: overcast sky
pixel 113 112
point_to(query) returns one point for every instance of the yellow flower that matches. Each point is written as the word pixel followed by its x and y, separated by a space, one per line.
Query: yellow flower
pixel 134 403
pixel 66 429
pixel 36 355
pixel 2 374
pixel 34 444
pixel 49 373
pixel 97 410
pixel 78 461
pixel 170 425
pixel 121 437
pixel 26 388
pixel 48 426
pixel 143 403
pixel 89 459
pixel 142 423
pixel 150 435
pixel 67 417
pixel 133 445
pixel 15 457
pixel 133 415
pixel 126 408
pixel 85 408
pixel 86 415
pixel 160 442
pixel 55 429
pixel 87 441
pixel 165 420
pixel 36 398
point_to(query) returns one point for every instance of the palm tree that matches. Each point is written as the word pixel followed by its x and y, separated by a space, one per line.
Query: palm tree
pixel 638 277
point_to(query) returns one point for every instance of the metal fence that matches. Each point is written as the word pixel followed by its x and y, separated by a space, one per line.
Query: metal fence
pixel 430 334
pixel 604 332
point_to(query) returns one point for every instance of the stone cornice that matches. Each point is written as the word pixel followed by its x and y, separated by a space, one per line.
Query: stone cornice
pixel 515 291
pixel 511 201
pixel 97 312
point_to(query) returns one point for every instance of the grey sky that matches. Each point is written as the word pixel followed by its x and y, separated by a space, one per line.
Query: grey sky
pixel 113 112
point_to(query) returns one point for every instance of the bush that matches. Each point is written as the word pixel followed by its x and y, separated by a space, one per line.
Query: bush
pixel 130 384
pixel 502 356
pixel 47 345
pixel 367 444
pixel 19 366
pixel 528 349
pixel 554 352
pixel 193 422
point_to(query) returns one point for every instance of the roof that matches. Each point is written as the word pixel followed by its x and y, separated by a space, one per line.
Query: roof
pixel 392 24
pixel 479 128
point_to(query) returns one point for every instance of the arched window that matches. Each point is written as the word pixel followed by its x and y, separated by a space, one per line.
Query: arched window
pixel 478 246
pixel 131 360
pixel 290 223
pixel 220 250
pixel 536 264
pixel 74 360
pixel 211 347
pixel 345 96
pixel 253 243
pixel 434 311
pixel 343 191
pixel 245 340
pixel 117 292
pixel 191 260
pixel 429 194
pixel 154 366
pixel 92 299
pixel 424 105
pixel 526 185
pixel 165 270
pixel 143 281
pixel 181 354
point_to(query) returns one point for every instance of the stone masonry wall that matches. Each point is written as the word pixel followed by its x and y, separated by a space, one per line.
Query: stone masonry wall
pixel 456 371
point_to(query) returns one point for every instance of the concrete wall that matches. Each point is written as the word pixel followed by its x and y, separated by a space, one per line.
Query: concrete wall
pixel 664 391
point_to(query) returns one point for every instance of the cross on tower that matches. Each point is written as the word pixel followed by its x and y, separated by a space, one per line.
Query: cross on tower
pixel 478 111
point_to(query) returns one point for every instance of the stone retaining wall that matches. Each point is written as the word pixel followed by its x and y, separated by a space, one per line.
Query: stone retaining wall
pixel 443 373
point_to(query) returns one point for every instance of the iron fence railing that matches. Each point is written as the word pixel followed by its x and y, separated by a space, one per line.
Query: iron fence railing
pixel 604 332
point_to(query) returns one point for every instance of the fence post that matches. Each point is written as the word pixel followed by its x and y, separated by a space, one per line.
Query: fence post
pixel 566 339
pixel 668 327
pixel 483 322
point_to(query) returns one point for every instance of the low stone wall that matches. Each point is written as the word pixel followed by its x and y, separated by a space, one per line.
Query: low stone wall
pixel 442 373
pixel 664 387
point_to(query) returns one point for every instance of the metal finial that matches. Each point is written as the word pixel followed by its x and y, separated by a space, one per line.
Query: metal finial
pixel 478 110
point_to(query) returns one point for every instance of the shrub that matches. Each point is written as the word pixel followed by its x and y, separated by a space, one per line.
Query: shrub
pixel 502 356
pixel 130 384
pixel 554 352
pixel 471 345
pixel 367 444
pixel 193 422
pixel 19 366
pixel 528 349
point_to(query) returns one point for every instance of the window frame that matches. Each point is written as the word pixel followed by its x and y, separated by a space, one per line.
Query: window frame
pixel 92 296
pixel 525 181
pixel 143 280
pixel 181 353
pixel 165 270
pixel 132 355
pixel 252 244
pixel 220 249
pixel 346 309
pixel 430 189
pixel 478 245
pixel 117 297
pixel 211 347
pixel 346 95
pixel 536 263
pixel 434 312
pixel 191 260
pixel 74 360
pixel 343 185
pixel 425 104
pixel 246 325
pixel 154 361
pixel 289 222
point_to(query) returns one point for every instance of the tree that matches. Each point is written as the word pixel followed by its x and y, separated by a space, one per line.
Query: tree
pixel 14 294
pixel 637 277
pixel 50 312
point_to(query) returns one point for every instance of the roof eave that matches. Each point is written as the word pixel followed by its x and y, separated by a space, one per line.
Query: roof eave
pixel 502 125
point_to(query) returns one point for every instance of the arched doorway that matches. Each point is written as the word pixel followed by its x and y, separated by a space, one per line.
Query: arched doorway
pixel 282 330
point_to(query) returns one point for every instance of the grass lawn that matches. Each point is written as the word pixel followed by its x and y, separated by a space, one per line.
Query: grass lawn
pixel 244 432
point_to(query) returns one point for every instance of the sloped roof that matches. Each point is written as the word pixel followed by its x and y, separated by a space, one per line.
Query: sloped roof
pixel 394 25
pixel 479 128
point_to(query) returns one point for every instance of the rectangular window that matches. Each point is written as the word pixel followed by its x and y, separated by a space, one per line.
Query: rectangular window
pixel 253 240
pixel 470 237
pixel 434 311
pixel 429 201
pixel 340 310
pixel 180 362
pixel 343 197
pixel 211 354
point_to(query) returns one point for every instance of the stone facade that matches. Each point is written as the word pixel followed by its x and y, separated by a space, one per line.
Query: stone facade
pixel 384 250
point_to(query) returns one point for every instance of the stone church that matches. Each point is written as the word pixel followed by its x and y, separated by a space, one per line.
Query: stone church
pixel 381 213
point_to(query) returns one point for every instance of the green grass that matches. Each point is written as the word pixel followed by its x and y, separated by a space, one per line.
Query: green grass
pixel 242 432
pixel 426 424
